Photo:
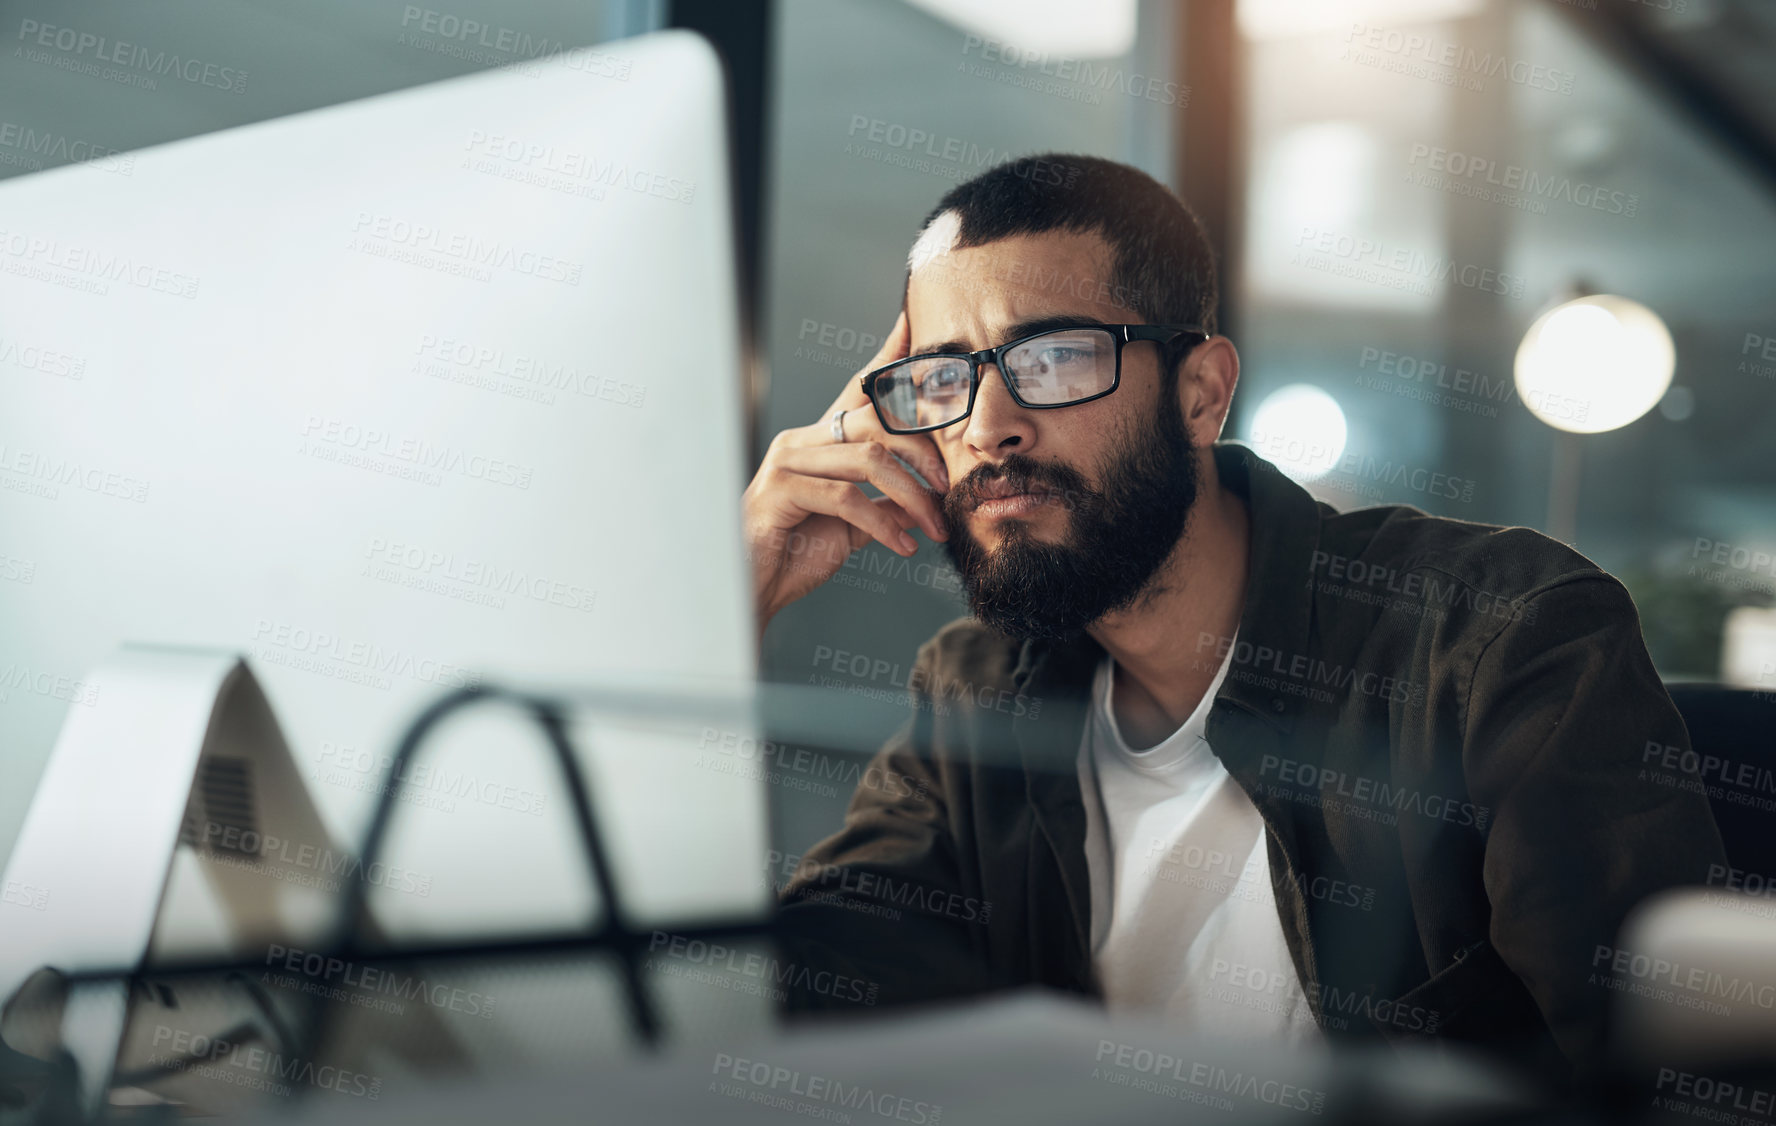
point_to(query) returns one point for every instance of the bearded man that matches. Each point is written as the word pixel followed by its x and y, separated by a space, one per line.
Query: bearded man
pixel 1275 771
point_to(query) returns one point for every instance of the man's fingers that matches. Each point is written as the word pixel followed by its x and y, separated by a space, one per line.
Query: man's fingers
pixel 917 450
pixel 829 497
pixel 861 426
pixel 859 537
pixel 872 462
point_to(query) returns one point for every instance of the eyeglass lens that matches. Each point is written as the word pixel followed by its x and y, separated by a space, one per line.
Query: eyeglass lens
pixel 1053 369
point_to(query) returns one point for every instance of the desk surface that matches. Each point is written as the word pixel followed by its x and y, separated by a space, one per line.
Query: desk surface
pixel 1026 1059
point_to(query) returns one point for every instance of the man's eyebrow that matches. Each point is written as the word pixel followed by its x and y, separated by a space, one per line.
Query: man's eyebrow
pixel 1018 332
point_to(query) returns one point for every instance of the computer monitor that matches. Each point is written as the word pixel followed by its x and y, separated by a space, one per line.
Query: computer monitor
pixel 434 388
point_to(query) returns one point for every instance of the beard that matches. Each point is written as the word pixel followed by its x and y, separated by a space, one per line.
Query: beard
pixel 1118 536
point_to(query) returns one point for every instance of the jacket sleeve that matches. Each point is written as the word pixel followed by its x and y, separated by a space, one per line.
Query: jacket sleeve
pixel 879 903
pixel 1562 709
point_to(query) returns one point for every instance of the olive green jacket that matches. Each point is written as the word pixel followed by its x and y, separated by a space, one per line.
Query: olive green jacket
pixel 1442 723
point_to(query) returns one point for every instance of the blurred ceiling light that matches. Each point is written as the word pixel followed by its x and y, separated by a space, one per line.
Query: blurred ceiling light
pixel 1300 429
pixel 1323 174
pixel 1278 19
pixel 1594 364
pixel 1071 29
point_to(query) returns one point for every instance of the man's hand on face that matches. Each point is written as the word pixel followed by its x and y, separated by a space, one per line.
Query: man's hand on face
pixel 804 512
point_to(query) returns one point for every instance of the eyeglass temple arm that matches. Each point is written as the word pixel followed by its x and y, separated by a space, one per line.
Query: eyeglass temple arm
pixel 1160 332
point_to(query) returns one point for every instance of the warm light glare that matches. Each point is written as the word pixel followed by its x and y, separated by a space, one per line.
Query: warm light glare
pixel 1594 364
pixel 1301 429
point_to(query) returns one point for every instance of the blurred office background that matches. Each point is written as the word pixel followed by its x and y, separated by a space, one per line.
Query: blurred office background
pixel 1647 170
pixel 1398 190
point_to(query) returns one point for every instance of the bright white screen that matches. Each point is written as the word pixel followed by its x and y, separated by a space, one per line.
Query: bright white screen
pixel 442 380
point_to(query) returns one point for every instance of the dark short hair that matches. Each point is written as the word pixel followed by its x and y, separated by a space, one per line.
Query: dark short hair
pixel 1161 264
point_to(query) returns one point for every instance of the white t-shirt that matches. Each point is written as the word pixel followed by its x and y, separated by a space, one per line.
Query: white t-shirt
pixel 1183 913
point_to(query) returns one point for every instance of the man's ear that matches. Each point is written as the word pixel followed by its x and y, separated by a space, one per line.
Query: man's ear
pixel 1205 388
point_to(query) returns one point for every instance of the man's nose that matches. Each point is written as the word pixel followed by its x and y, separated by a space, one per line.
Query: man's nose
pixel 998 425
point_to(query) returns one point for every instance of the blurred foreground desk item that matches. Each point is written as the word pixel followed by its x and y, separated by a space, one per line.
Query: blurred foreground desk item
pixel 1027 1058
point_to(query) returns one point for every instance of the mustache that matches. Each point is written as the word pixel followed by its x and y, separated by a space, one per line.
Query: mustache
pixel 1021 473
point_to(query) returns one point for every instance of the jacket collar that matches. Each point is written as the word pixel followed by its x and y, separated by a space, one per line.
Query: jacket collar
pixel 1278 611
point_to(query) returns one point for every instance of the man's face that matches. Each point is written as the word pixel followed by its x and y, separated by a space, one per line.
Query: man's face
pixel 1060 516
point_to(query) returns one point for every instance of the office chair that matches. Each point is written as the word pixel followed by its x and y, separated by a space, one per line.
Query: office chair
pixel 1736 726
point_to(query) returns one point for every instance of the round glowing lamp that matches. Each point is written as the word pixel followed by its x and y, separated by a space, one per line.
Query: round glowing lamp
pixel 1594 364
pixel 1588 365
pixel 1301 429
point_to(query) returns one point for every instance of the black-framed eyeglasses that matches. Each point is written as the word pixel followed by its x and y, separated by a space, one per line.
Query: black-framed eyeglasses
pixel 1061 367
